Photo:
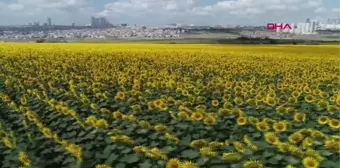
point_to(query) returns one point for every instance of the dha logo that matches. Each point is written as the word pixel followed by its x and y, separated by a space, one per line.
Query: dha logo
pixel 274 26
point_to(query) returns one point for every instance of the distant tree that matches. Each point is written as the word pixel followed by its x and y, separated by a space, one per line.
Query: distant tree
pixel 40 41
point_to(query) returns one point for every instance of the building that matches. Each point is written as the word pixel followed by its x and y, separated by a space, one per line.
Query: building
pixel 100 22
pixel 307 20
pixel 313 26
pixel 49 21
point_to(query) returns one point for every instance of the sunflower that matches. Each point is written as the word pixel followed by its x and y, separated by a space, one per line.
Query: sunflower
pixel 300 117
pixel 241 121
pixel 199 143
pixel 279 126
pixel 310 162
pixel 24 159
pixel 207 151
pixel 253 120
pixel 333 123
pixel 262 126
pixel 215 103
pixel 188 164
pixel 144 124
pixel 91 120
pixel 280 109
pixel 47 132
pixel 238 101
pixel 289 166
pixel 151 105
pixel 270 101
pixel 295 138
pixel 253 164
pixel 306 89
pixel 252 102
pixel 291 110
pixel 239 147
pixel 292 100
pixel 101 123
pixel 120 96
pixel 283 147
pixel 295 94
pixel 201 99
pixel 210 120
pixel 183 115
pixel 103 166
pixel 227 105
pixel 309 98
pixel 231 157
pixel 324 95
pixel 331 108
pixel 173 163
pixel 197 116
pixel 323 120
pixel 117 115
pixel 161 128
pixel 271 138
pixel 322 104
pixel 2 134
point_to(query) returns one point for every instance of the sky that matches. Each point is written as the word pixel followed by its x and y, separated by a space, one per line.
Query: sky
pixel 160 12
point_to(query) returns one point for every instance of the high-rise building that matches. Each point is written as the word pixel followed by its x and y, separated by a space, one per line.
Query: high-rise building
pixel 99 22
pixel 307 20
pixel 313 26
pixel 49 21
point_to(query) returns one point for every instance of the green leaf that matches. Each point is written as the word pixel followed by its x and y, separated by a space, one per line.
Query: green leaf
pixel 191 154
pixel 145 164
pixel 111 159
pixel 202 160
pixel 131 158
pixel 256 135
pixel 142 131
pixel 120 165
pixel 186 140
pixel 127 150
pixel 153 136
pixel 168 149
pixel 292 160
pixel 278 157
pixel 325 152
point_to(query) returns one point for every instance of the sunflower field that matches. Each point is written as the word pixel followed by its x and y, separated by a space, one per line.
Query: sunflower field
pixel 169 106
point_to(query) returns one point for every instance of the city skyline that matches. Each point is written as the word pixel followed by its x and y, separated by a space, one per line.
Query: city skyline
pixel 152 12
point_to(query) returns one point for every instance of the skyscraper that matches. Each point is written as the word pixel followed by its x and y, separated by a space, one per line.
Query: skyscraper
pixel 307 20
pixel 49 21
pixel 99 22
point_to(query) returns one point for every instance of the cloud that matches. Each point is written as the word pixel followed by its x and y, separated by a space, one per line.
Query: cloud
pixel 227 10
pixel 61 11
pixel 166 11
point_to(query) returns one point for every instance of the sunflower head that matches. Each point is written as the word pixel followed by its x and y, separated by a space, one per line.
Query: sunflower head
pixel 103 166
pixel 309 98
pixel 210 120
pixel 310 162
pixel 333 123
pixel 262 126
pixel 231 157
pixel 241 120
pixel 196 116
pixel 300 117
pixel 188 164
pixel 279 126
pixel 253 164
pixel 271 138
pixel 173 163
pixel 323 120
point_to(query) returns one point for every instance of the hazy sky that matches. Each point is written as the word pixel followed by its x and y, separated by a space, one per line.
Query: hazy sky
pixel 157 12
